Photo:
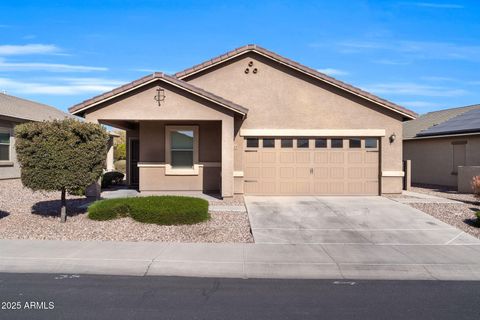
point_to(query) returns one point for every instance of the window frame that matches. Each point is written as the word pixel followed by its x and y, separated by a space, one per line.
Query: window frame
pixel 269 147
pixel 301 138
pixel 286 139
pixel 8 131
pixel 169 169
pixel 331 143
pixel 354 139
pixel 252 138
pixel 377 143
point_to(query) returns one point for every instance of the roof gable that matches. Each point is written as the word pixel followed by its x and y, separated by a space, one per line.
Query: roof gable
pixel 185 74
pixel 80 108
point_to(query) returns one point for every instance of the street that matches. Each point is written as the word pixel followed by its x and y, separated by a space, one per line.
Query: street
pixel 57 296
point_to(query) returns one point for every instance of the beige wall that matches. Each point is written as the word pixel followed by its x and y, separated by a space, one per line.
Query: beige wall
pixel 465 177
pixel 10 169
pixel 179 108
pixel 432 159
pixel 280 98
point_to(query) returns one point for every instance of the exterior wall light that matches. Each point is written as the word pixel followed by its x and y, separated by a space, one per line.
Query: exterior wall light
pixel 392 137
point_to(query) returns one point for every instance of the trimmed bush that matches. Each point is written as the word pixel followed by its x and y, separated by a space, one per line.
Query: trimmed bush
pixel 112 178
pixel 162 210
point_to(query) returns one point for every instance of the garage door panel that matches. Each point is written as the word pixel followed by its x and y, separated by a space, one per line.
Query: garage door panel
pixel 287 157
pixel 302 172
pixel 287 173
pixel 320 157
pixel 252 172
pixel 252 157
pixel 268 157
pixel 312 171
pixel 355 157
pixel 371 157
pixel 302 156
pixel 337 173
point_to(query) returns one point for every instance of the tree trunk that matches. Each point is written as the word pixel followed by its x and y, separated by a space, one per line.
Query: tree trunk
pixel 63 210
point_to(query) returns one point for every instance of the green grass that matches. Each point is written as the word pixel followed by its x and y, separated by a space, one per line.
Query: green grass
pixel 162 210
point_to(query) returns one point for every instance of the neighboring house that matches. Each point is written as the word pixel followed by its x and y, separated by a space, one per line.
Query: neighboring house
pixel 13 111
pixel 444 147
pixel 252 122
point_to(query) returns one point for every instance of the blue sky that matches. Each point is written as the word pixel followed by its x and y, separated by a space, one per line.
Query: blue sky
pixel 424 55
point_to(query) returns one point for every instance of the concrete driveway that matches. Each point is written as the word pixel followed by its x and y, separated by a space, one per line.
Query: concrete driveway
pixel 346 220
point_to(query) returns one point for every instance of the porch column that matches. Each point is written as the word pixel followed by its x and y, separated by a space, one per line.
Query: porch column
pixel 110 157
pixel 227 157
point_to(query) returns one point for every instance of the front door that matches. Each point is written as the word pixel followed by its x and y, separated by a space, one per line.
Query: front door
pixel 134 156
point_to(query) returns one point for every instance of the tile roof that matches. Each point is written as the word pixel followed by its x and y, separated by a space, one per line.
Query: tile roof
pixel 79 108
pixel 295 65
pixel 413 127
pixel 15 107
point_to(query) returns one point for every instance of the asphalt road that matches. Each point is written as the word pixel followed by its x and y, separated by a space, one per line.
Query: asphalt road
pixel 121 297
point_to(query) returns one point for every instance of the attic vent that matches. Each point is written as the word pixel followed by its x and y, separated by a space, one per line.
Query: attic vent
pixel 250 65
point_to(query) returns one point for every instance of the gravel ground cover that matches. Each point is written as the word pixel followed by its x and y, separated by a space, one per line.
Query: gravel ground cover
pixel 33 215
pixel 461 215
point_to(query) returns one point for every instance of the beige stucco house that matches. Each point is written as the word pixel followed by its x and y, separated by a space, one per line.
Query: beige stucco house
pixel 253 122
pixel 13 111
pixel 444 147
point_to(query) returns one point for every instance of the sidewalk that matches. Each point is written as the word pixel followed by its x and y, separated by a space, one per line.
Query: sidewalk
pixel 325 261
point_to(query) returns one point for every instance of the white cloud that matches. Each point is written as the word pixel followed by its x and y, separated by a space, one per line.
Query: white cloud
pixel 419 104
pixel 414 89
pixel 415 49
pixel 26 49
pixel 333 72
pixel 392 62
pixel 435 5
pixel 51 67
pixel 438 78
pixel 60 86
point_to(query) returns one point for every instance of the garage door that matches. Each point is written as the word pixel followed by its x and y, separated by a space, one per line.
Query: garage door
pixel 311 166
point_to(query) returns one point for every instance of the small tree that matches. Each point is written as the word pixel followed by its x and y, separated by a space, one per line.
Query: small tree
pixel 61 155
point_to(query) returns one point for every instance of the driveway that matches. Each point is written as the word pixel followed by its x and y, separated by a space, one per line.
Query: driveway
pixel 346 220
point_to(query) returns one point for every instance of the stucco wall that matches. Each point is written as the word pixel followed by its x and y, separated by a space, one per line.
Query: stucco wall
pixel 432 159
pixel 10 169
pixel 465 177
pixel 178 108
pixel 280 98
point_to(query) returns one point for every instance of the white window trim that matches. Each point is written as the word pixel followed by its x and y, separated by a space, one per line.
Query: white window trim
pixel 169 170
pixel 10 144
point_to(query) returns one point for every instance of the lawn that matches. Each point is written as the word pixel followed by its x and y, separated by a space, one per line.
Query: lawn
pixel 161 210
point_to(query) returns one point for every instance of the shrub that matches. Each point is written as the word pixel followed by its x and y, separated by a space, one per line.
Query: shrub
pixel 121 165
pixel 476 185
pixel 112 178
pixel 61 155
pixel 120 152
pixel 162 210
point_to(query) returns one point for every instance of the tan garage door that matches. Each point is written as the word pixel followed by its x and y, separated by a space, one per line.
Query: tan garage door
pixel 311 166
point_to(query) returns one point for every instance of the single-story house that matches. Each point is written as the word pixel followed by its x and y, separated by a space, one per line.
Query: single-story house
pixel 253 122
pixel 13 111
pixel 444 147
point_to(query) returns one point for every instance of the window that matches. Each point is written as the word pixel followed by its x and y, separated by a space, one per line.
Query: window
pixel 5 145
pixel 355 143
pixel 181 144
pixel 303 143
pixel 371 143
pixel 337 143
pixel 269 143
pixel 320 143
pixel 181 150
pixel 287 143
pixel 252 142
